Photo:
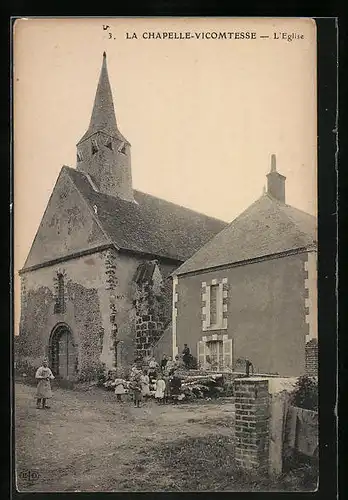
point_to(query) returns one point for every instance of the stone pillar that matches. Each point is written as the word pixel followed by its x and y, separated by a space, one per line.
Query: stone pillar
pixel 252 423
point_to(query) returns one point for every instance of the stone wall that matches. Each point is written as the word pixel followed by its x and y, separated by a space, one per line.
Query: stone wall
pixel 85 309
pixel 312 358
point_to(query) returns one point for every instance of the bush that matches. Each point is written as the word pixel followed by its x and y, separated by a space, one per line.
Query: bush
pixel 95 373
pixel 25 371
pixel 305 394
pixel 228 389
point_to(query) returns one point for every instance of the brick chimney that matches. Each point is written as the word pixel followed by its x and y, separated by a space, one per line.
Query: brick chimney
pixel 275 182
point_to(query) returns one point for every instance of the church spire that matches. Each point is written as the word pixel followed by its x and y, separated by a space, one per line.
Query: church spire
pixel 103 153
pixel 103 118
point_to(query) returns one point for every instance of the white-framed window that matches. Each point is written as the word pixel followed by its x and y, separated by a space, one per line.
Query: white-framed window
pixel 214 304
pixel 215 353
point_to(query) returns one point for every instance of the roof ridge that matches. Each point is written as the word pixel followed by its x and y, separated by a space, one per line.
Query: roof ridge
pixel 152 196
pixel 181 206
pixel 282 207
pixel 287 205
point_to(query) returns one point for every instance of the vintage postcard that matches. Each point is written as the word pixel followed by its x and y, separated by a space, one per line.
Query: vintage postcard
pixel 165 200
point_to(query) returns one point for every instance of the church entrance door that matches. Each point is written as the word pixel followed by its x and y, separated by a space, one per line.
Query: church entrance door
pixel 63 352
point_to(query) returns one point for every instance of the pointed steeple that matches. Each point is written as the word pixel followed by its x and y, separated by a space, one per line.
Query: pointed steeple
pixel 103 154
pixel 103 118
pixel 276 182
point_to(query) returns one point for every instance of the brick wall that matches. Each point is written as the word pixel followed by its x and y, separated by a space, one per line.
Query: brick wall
pixel 312 358
pixel 252 423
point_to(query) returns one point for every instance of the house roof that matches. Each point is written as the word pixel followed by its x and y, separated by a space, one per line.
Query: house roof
pixel 266 228
pixel 151 225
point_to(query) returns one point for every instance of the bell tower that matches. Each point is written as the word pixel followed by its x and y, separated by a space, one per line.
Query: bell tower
pixel 103 153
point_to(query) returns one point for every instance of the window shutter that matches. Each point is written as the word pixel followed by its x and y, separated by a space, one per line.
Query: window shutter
pixel 227 353
pixel 220 304
pixel 201 351
pixel 207 306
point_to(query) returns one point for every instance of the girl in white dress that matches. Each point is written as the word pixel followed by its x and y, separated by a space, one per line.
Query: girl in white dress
pixel 145 385
pixel 120 388
pixel 160 388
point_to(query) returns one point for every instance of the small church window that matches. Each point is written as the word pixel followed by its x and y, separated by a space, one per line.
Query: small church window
pixel 59 306
pixel 94 146
pixel 109 144
pixel 79 156
pixel 123 149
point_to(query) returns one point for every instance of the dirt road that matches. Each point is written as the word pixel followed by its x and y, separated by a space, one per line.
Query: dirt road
pixel 89 442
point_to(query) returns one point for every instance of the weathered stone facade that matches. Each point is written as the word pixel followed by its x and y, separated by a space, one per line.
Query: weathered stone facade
pixel 106 312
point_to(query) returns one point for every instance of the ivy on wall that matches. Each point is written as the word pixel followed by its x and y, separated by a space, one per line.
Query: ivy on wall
pixel 88 322
pixel 36 307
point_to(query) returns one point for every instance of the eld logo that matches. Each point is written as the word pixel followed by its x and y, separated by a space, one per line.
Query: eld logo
pixel 29 475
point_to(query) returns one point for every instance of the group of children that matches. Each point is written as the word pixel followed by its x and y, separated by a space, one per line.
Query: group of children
pixel 143 384
pixel 159 381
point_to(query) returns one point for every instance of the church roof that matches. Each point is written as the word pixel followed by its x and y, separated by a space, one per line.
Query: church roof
pixel 266 228
pixel 151 225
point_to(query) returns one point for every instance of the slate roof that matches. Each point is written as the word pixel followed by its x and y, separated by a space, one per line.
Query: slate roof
pixel 267 227
pixel 152 225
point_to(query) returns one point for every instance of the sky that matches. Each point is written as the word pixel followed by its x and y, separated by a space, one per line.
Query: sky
pixel 203 116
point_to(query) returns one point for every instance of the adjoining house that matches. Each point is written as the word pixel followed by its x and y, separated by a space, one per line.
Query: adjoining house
pixel 94 287
pixel 250 293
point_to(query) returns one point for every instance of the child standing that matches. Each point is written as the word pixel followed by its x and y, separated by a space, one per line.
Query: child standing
pixel 160 388
pixel 166 379
pixel 43 390
pixel 145 385
pixel 153 368
pixel 119 388
pixel 136 386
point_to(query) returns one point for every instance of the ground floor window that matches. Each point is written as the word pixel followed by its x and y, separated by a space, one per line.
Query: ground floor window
pixel 215 353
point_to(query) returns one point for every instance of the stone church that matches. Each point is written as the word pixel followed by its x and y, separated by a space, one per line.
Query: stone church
pixel 96 287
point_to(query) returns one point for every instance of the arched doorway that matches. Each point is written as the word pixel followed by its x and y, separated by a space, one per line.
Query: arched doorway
pixel 63 352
